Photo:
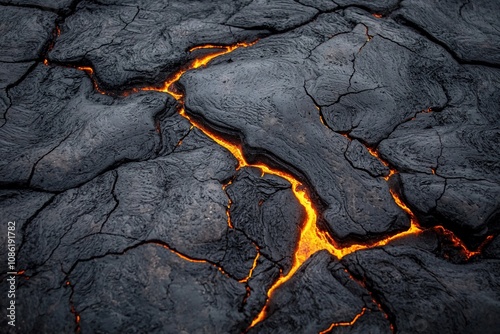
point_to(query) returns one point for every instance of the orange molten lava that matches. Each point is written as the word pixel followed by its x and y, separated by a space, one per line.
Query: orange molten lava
pixel 347 323
pixel 90 71
pixel 198 62
pixel 254 265
pixel 190 259
pixel 229 203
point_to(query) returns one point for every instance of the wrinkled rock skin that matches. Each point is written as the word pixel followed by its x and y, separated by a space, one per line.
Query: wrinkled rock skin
pixel 131 220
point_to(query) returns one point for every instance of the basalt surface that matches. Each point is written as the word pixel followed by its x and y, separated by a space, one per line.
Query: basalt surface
pixel 250 166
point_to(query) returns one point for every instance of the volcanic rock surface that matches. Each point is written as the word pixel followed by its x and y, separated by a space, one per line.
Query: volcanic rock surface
pixel 257 166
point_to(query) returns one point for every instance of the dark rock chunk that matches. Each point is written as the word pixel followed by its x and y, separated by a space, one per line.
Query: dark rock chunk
pixel 322 5
pixel 450 142
pixel 174 203
pixel 169 289
pixel 63 231
pixel 426 294
pixel 43 4
pixel 334 59
pixel 273 15
pixel 42 305
pixel 24 33
pixel 319 294
pixel 385 74
pixel 470 151
pixel 359 157
pixel 493 249
pixel 121 207
pixel 261 281
pixel 423 191
pixel 412 149
pixel 10 73
pixel 265 209
pixel 471 206
pixel 468 29
pixel 379 6
pixel 60 133
pixel 18 206
pixel 460 146
pixel 132 42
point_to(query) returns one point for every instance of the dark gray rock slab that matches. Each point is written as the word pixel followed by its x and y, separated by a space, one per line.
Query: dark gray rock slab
pixel 460 146
pixel 376 75
pixel 24 33
pixel 18 206
pixel 360 158
pixel 379 6
pixel 257 210
pixel 427 294
pixel 127 205
pixel 422 192
pixel 60 133
pixel 130 43
pixel 469 29
pixel 471 206
pixel 43 305
pixel 175 295
pixel 54 5
pixel 62 233
pixel 262 100
pixel 493 249
pixel 322 5
pixel 383 6
pixel 319 294
pixel 10 74
pixel 452 148
pixel 273 15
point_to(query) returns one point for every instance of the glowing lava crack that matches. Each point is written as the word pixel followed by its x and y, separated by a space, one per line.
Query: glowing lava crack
pixel 312 239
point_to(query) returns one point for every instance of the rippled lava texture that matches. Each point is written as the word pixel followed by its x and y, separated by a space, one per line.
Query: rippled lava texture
pixel 251 166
